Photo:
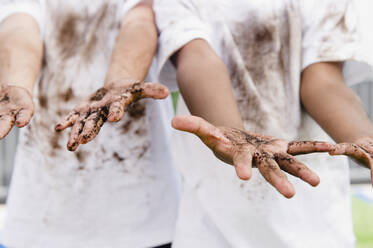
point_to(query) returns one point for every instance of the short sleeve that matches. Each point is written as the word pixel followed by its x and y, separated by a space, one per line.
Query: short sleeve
pixel 34 8
pixel 337 30
pixel 129 4
pixel 330 31
pixel 178 22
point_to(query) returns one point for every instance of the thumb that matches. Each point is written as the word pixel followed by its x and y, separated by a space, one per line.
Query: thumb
pixel 155 91
pixel 198 126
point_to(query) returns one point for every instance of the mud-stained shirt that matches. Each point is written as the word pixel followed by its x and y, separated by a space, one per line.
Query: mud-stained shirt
pixel 121 189
pixel 265 45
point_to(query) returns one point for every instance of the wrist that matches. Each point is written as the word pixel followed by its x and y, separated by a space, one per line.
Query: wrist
pixel 120 74
pixel 28 88
pixel 368 134
pixel 364 138
pixel 120 82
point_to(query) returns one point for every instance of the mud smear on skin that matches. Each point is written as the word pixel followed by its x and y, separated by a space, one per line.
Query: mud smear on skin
pixel 135 111
pixel 99 120
pixel 98 95
pixel 280 159
pixel 101 115
pixel 136 90
pixel 240 139
pixel 5 98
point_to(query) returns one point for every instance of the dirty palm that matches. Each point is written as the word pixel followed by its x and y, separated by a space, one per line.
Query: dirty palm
pixel 106 104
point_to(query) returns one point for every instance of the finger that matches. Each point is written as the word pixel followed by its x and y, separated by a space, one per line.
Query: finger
pixel 273 174
pixel 74 139
pixel 90 129
pixel 297 169
pixel 92 126
pixel 242 161
pixel 24 116
pixel 6 124
pixel 198 126
pixel 152 90
pixel 68 121
pixel 304 147
pixel 116 111
pixel 353 151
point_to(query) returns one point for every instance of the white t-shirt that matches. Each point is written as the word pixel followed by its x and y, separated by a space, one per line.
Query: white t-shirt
pixel 265 45
pixel 121 189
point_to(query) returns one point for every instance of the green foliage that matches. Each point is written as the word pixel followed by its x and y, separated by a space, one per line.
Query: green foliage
pixel 362 212
pixel 175 98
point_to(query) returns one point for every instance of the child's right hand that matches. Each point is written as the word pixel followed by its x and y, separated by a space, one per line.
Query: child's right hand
pixel 16 106
pixel 245 150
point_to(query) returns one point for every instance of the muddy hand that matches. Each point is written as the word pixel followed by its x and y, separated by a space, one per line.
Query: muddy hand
pixel 244 150
pixel 16 106
pixel 106 104
pixel 361 151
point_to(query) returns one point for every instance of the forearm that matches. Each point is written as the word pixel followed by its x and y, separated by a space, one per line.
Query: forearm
pixel 332 104
pixel 135 46
pixel 21 51
pixel 205 85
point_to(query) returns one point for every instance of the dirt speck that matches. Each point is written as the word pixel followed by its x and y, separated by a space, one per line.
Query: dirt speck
pixel 144 149
pixel 98 95
pixel 126 126
pixel 118 157
pixel 141 132
pixel 5 98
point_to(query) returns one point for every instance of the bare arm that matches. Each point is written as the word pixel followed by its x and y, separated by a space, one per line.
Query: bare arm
pixel 332 104
pixel 338 111
pixel 205 85
pixel 131 58
pixel 21 52
pixel 135 46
